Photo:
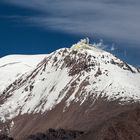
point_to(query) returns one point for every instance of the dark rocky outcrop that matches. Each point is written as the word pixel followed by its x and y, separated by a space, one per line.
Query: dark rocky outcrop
pixel 59 134
pixel 50 134
pixel 5 137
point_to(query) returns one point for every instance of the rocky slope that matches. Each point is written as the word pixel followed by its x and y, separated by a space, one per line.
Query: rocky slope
pixel 125 126
pixel 79 88
pixel 13 66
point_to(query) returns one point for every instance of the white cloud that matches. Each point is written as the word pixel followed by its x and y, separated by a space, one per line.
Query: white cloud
pixel 113 19
pixel 112 48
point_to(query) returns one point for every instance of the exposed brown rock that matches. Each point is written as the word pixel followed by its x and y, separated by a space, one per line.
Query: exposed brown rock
pixel 125 126
pixel 97 118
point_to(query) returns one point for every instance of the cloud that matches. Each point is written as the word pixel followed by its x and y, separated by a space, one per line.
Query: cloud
pixel 118 20
pixel 113 48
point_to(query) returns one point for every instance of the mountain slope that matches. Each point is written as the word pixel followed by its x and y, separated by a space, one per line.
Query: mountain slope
pixel 124 126
pixel 72 88
pixel 13 66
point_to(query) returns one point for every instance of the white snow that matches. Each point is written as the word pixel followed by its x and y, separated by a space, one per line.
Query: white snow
pixel 13 66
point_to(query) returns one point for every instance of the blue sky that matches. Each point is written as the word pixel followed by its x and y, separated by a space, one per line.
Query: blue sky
pixel 42 26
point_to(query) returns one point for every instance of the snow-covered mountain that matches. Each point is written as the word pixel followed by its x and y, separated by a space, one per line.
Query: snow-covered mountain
pixel 13 66
pixel 79 76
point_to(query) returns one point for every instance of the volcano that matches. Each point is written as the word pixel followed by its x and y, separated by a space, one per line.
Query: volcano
pixel 82 91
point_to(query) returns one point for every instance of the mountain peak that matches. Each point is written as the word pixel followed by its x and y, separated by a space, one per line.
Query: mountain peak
pixel 84 44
